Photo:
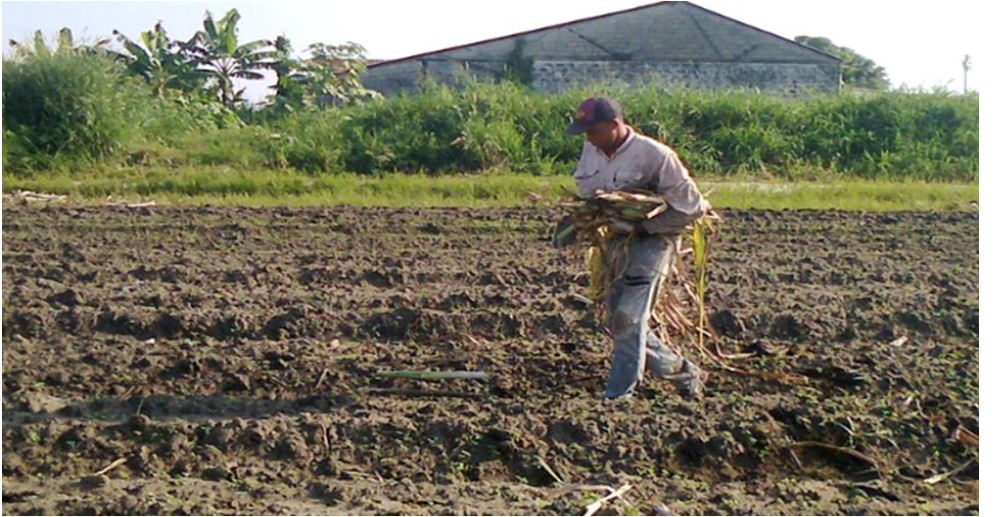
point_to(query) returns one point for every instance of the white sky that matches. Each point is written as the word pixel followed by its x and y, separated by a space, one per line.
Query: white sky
pixel 921 45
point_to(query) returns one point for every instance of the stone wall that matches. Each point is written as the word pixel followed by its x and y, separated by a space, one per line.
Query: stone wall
pixel 555 76
pixel 784 78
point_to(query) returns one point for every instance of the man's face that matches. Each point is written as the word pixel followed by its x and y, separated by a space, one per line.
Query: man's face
pixel 603 134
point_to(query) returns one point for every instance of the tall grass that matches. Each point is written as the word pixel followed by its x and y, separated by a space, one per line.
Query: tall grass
pixel 891 136
pixel 73 106
pixel 78 113
pixel 81 112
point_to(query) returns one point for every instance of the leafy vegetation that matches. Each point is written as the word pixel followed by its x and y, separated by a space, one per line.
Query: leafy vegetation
pixel 858 71
pixel 217 53
pixel 156 60
pixel 65 44
pixel 75 106
pixel 328 75
pixel 160 103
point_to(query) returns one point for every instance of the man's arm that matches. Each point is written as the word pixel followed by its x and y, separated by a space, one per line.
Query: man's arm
pixel 686 204
pixel 585 173
pixel 671 222
pixel 565 232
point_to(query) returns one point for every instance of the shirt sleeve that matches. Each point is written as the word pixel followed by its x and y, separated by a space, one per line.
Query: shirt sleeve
pixel 685 202
pixel 583 175
pixel 672 181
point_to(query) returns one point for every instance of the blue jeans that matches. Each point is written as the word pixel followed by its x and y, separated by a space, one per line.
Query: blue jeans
pixel 638 272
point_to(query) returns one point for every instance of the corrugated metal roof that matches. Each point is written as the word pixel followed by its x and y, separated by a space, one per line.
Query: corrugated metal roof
pixel 662 31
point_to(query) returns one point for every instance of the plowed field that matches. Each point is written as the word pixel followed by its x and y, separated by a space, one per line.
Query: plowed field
pixel 225 360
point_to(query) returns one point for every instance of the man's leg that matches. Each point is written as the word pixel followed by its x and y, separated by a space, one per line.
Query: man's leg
pixel 660 358
pixel 663 360
pixel 632 297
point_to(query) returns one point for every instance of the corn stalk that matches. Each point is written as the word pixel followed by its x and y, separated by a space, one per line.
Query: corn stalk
pixel 433 376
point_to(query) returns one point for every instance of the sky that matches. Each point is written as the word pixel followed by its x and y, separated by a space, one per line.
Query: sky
pixel 920 45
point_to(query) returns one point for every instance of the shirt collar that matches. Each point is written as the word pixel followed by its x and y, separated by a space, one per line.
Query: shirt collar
pixel 625 143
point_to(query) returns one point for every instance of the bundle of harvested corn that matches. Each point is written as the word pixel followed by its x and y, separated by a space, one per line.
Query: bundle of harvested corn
pixel 605 223
pixel 619 210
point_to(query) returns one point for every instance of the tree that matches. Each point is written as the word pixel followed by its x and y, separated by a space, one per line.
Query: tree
pixel 218 54
pixel 329 74
pixel 159 62
pixel 65 44
pixel 858 70
pixel 334 70
pixel 517 66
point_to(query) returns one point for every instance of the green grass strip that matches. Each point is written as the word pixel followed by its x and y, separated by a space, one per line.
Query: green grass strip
pixel 226 186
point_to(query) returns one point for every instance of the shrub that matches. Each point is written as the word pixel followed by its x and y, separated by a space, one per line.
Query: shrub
pixel 67 107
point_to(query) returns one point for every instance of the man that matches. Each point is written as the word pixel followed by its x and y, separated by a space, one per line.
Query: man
pixel 615 158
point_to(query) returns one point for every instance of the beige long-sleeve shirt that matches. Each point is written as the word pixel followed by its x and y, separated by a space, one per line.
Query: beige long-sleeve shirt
pixel 642 163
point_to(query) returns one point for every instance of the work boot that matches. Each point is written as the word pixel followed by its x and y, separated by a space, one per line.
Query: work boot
pixel 690 381
pixel 620 398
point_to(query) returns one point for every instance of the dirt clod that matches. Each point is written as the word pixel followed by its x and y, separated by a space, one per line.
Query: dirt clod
pixel 94 482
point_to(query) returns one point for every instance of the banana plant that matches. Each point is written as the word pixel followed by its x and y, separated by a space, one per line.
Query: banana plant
pixel 218 54
pixel 65 44
pixel 159 62
pixel 289 91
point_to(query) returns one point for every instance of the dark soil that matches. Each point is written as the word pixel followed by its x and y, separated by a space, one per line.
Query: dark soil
pixel 228 358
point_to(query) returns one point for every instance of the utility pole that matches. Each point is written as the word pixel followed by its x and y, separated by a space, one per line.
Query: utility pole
pixel 967 66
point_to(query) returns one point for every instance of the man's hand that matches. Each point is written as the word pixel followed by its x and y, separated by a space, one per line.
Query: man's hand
pixel 565 233
pixel 671 222
pixel 620 227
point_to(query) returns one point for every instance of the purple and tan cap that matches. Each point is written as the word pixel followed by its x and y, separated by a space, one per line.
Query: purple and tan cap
pixel 592 111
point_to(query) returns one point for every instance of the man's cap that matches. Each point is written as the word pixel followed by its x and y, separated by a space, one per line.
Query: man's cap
pixel 592 111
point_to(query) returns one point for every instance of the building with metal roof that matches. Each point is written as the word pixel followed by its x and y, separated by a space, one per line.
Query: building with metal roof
pixel 665 43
